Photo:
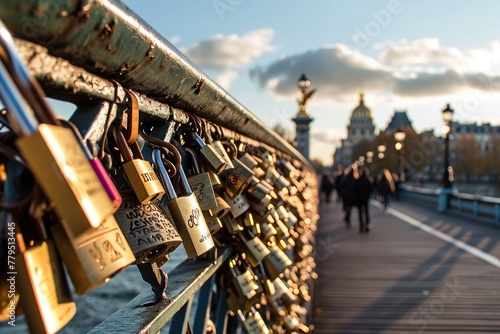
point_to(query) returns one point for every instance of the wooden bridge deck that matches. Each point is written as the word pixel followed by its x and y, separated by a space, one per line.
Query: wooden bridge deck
pixel 400 279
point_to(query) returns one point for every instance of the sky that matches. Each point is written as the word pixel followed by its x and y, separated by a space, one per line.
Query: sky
pixel 403 54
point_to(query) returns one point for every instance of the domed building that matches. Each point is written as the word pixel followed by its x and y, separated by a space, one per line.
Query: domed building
pixel 360 128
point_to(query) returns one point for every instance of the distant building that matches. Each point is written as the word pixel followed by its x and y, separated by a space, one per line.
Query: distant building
pixel 399 119
pixel 474 151
pixel 360 128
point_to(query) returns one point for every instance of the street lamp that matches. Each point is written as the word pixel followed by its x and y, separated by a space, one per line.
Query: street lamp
pixel 369 157
pixel 303 83
pixel 381 150
pixel 448 170
pixel 400 136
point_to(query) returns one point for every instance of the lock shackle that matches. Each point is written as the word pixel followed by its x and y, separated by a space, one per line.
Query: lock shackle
pixel 194 161
pixel 163 174
pixel 132 129
pixel 198 140
pixel 232 267
pixel 26 84
pixel 184 181
pixel 158 143
pixel 128 152
pixel 231 149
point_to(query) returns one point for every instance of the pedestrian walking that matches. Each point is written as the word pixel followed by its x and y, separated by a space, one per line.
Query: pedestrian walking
pixel 349 192
pixel 386 187
pixel 327 185
pixel 363 189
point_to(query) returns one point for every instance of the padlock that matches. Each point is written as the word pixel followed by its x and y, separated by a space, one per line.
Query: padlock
pixel 214 225
pixel 249 161
pixel 209 154
pixel 276 262
pixel 243 281
pixel 282 291
pixel 140 173
pixel 238 205
pixel 94 257
pixel 232 225
pixel 41 282
pixel 201 184
pixel 288 169
pixel 253 247
pixel 218 212
pixel 109 186
pixel 147 228
pixel 46 297
pixel 237 176
pixel 267 228
pixel 185 211
pixel 52 152
pixel 253 323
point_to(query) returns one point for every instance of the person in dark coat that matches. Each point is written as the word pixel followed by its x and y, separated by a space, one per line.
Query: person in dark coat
pixel 363 188
pixel 349 192
pixel 386 186
pixel 339 177
pixel 327 185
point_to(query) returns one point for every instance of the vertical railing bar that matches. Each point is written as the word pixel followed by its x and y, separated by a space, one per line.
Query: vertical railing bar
pixel 203 306
pixel 221 314
pixel 181 319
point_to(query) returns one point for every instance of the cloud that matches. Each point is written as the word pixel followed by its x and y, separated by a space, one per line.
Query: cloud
pixel 339 72
pixel 429 51
pixel 225 55
pixel 336 70
pixel 225 78
pixel 175 39
pixel 231 51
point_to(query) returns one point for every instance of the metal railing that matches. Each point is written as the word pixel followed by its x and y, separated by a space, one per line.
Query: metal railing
pixel 477 206
pixel 80 51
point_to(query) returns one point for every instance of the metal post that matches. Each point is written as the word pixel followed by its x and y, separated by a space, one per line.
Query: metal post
pixel 447 182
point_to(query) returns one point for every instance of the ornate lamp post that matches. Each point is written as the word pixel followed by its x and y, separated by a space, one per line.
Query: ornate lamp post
pixel 400 136
pixel 302 119
pixel 381 153
pixel 448 170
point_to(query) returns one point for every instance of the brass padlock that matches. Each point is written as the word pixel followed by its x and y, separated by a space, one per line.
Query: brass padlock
pixel 147 228
pixel 140 173
pixel 53 154
pixel 214 225
pixel 201 184
pixel 210 154
pixel 218 212
pixel 249 161
pixel 253 323
pixel 185 211
pixel 267 228
pixel 94 257
pixel 232 226
pixel 254 249
pixel 238 205
pixel 237 176
pixel 244 281
pixel 276 262
pixel 282 291
pixel 45 294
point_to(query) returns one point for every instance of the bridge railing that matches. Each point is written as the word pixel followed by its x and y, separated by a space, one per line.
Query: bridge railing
pixel 92 54
pixel 450 200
